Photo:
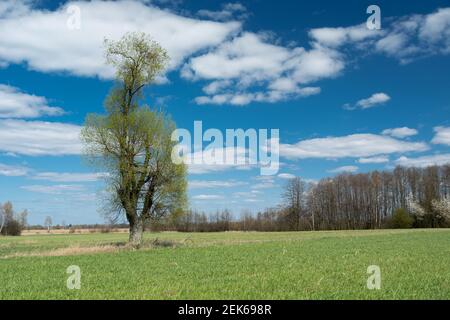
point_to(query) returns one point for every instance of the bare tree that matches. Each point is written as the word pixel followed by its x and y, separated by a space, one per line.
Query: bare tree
pixel 48 222
pixel 294 197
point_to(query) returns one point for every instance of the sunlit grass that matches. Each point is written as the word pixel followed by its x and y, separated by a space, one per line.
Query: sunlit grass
pixel 415 264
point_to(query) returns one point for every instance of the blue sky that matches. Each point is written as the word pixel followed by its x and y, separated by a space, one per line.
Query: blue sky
pixel 345 98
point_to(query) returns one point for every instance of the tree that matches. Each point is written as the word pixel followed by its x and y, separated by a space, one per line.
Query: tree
pixel 8 211
pixel 401 219
pixel 294 196
pixel 9 225
pixel 442 207
pixel 132 142
pixel 23 216
pixel 48 223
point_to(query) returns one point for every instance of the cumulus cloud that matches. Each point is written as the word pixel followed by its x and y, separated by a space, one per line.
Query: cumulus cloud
pixel 402 132
pixel 373 100
pixel 418 35
pixel 240 99
pixel 405 38
pixel 355 145
pixel 336 37
pixel 424 161
pixel 17 104
pixel 249 68
pixel 42 39
pixel 242 67
pixel 349 169
pixel 442 135
pixel 39 138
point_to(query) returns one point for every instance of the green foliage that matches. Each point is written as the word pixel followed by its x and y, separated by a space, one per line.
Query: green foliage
pixel 133 142
pixel 401 219
pixel 137 59
pixel 233 265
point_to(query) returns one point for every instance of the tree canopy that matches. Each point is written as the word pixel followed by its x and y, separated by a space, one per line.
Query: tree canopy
pixel 132 142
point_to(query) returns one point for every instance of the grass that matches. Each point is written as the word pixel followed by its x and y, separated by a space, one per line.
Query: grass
pixel 415 264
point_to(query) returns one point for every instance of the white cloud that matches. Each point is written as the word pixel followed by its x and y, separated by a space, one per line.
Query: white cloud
pixel 418 35
pixel 245 67
pixel 14 8
pixel 247 55
pixel 216 86
pixel 425 161
pixel 402 132
pixel 196 184
pixel 442 135
pixel 17 104
pixel 436 29
pixel 405 38
pixel 207 161
pixel 246 98
pixel 355 145
pixel 335 37
pixel 286 176
pixel 349 169
pixel 12 171
pixel 264 182
pixel 42 39
pixel 373 100
pixel 392 43
pixel 247 194
pixel 379 159
pixel 249 68
pixel 39 138
pixel 54 189
pixel 229 11
pixel 207 197
pixel 68 177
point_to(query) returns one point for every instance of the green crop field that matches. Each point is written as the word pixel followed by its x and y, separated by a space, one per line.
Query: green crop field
pixel 414 264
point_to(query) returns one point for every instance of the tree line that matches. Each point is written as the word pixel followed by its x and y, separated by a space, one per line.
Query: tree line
pixel 402 198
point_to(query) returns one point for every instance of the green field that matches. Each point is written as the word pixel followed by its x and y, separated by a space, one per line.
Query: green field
pixel 415 264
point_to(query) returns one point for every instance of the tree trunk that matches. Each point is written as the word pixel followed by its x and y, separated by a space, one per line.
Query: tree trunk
pixel 136 231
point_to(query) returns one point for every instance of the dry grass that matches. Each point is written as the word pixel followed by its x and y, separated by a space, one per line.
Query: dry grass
pixel 67 231
pixel 95 248
pixel 69 251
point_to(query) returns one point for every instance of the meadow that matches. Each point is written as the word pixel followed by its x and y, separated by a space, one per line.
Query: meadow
pixel 414 264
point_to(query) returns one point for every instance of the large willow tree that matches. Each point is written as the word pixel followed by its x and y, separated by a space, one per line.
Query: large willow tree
pixel 132 142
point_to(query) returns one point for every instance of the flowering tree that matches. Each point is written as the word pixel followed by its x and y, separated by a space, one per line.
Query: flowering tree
pixel 442 208
pixel 415 208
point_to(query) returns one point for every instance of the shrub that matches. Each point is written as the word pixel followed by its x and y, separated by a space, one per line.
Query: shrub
pixel 12 228
pixel 401 219
pixel 105 229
